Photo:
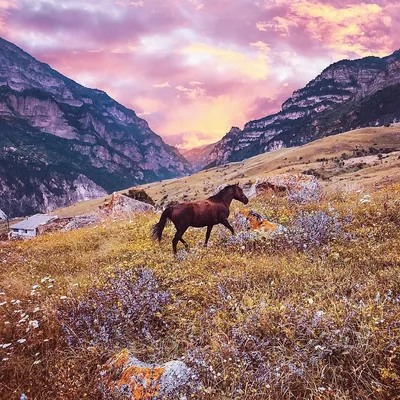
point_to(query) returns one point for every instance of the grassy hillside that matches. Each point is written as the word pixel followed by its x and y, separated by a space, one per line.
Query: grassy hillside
pixel 312 313
pixel 292 160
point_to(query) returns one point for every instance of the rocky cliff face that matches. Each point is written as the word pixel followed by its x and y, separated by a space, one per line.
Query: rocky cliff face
pixel 198 156
pixel 72 142
pixel 346 95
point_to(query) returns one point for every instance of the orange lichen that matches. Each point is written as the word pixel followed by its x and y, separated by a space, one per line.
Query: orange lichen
pixel 143 381
pixel 256 222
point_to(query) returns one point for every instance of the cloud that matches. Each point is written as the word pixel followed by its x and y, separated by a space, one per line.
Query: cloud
pixel 194 68
pixel 162 85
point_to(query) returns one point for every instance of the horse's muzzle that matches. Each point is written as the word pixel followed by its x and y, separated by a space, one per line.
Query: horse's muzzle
pixel 245 200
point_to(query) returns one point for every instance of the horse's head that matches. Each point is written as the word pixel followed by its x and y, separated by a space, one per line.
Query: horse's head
pixel 239 195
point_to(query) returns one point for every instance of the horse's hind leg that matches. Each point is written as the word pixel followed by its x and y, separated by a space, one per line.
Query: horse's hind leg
pixel 209 228
pixel 178 237
pixel 186 245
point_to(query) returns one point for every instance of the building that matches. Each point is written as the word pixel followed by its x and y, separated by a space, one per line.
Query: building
pixel 31 226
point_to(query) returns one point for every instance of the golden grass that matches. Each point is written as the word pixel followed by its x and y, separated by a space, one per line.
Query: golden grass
pixel 220 295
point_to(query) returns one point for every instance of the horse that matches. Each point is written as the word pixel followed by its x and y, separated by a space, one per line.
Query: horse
pixel 209 212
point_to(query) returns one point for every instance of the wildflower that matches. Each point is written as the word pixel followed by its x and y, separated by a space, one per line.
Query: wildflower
pixel 310 301
pixel 2 294
pixel 63 297
pixel 21 341
pixel 2 303
pixel 36 309
pixel 35 287
pixel 5 345
pixel 5 359
pixel 36 362
pixel 34 324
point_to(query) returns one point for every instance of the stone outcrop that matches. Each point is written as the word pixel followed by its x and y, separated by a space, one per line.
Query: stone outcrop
pixel 120 204
pixel 346 95
pixel 125 375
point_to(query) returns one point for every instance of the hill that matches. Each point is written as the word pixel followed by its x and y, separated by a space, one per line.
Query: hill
pixel 312 312
pixel 361 146
pixel 61 142
pixel 348 94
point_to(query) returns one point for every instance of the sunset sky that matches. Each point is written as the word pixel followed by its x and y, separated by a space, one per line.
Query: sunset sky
pixel 194 68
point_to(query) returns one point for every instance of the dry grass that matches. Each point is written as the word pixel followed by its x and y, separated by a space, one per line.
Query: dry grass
pixel 255 320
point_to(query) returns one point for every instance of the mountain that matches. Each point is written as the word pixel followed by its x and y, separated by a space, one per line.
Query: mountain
pixel 348 94
pixel 198 156
pixel 61 142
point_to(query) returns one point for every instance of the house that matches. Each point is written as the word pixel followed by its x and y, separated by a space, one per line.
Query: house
pixel 31 226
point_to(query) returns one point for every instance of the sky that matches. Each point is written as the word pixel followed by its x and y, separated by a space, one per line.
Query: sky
pixel 194 68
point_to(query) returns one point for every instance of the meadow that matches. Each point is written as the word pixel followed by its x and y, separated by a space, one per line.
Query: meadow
pixel 311 312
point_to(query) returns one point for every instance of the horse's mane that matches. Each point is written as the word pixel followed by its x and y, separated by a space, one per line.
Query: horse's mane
pixel 220 193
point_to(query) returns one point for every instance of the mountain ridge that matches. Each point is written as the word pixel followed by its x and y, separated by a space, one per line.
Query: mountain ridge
pixel 97 145
pixel 315 110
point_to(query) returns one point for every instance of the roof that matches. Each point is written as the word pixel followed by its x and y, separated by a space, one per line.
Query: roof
pixel 33 222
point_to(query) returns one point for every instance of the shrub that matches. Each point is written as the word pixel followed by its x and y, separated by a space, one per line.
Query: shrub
pixel 307 192
pixel 127 306
pixel 314 229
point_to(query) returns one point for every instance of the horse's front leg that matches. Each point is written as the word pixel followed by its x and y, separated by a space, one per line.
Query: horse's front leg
pixel 228 225
pixel 209 229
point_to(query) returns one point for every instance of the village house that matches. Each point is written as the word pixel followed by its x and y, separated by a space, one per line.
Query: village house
pixel 31 226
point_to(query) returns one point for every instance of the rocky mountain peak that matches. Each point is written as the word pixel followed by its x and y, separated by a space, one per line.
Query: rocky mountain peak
pixel 338 99
pixel 66 133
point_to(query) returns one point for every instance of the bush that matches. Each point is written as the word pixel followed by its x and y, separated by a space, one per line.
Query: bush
pixel 127 306
pixel 314 229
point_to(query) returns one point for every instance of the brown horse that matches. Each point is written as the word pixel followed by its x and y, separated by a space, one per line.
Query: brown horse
pixel 210 212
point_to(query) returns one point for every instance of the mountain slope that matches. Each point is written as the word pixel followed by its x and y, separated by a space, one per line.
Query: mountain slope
pixel 61 142
pixel 346 95
pixel 198 156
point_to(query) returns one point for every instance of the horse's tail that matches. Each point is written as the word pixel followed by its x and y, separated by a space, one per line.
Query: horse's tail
pixel 157 229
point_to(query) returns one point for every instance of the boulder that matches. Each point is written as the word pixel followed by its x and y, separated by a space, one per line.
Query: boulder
pixel 120 204
pixel 281 184
pixel 125 375
pixel 80 221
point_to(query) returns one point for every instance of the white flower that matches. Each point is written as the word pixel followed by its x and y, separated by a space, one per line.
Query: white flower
pixel 36 362
pixel 2 294
pixel 6 322
pixel 5 359
pixel 5 345
pixel 36 309
pixel 50 286
pixel 2 303
pixel 21 340
pixel 310 301
pixel 63 297
pixel 46 340
pixel 34 323
pixel 35 286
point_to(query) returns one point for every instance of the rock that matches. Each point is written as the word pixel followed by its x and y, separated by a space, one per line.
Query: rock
pixel 124 374
pixel 80 222
pixel 281 184
pixel 120 204
pixel 250 220
pixel 139 195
